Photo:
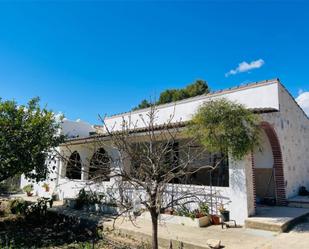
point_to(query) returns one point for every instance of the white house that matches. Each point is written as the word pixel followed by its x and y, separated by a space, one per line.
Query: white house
pixel 276 171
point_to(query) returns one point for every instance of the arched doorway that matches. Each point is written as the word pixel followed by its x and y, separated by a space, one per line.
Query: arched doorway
pixel 74 166
pixel 268 175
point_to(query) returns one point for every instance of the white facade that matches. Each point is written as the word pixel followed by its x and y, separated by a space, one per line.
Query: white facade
pixel 285 117
pixel 257 96
pixel 70 129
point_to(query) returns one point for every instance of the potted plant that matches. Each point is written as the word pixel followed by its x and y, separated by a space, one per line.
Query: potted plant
pixel 28 189
pixel 199 217
pixel 46 186
pixel 225 214
pixel 203 215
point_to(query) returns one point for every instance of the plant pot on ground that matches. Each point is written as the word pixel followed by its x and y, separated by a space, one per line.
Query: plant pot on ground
pixel 46 187
pixel 28 189
pixel 225 214
pixel 215 219
pixel 204 221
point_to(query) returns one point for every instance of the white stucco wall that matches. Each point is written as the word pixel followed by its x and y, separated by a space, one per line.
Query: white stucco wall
pixel 68 188
pixel 233 197
pixel 290 124
pixel 51 180
pixel 68 128
pixel 256 96
pixel 263 156
pixel 292 128
pixel 236 197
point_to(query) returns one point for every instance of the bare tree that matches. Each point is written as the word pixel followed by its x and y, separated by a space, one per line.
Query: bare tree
pixel 150 161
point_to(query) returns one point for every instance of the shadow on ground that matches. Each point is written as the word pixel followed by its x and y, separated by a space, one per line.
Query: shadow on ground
pixel 302 226
pixel 50 230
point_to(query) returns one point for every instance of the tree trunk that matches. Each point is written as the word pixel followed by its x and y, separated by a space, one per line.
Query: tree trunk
pixel 154 220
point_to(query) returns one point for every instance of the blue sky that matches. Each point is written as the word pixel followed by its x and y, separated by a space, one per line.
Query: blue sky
pixel 85 58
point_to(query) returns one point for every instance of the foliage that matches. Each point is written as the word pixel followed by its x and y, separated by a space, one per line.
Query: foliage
pixel 221 208
pixel 40 207
pixel 82 198
pixel 159 158
pixel 88 197
pixel 203 210
pixel 47 231
pixel 95 198
pixel 28 188
pixel 46 186
pixel 227 127
pixel 18 206
pixel 27 136
pixel 142 105
pixel 10 185
pixel 199 87
pixel 182 210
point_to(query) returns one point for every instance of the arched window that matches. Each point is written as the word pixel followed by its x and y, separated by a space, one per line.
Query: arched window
pixel 99 169
pixel 74 166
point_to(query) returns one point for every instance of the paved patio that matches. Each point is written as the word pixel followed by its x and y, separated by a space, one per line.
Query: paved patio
pixel 191 237
pixel 196 238
pixel 277 219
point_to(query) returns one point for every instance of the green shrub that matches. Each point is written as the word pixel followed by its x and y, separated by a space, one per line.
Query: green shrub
pixel 18 206
pixel 204 208
pixel 40 207
pixel 28 188
pixel 82 199
pixel 10 185
pixel 86 197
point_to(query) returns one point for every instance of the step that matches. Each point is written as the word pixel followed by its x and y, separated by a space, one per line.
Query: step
pixel 276 219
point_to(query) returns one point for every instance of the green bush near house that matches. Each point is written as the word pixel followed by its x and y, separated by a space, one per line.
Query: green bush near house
pixel 10 185
pixel 28 188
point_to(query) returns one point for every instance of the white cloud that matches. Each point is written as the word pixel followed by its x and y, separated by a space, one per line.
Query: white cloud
pixel 303 101
pixel 245 66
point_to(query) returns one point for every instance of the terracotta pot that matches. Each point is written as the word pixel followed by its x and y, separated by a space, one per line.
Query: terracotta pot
pixel 215 219
pixel 29 194
pixel 169 211
pixel 46 189
pixel 204 221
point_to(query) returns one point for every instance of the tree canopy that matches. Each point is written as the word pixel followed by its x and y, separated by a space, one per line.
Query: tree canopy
pixel 225 126
pixel 28 134
pixel 199 87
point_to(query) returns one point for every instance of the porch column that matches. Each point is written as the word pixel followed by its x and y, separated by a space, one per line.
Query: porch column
pixel 240 198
